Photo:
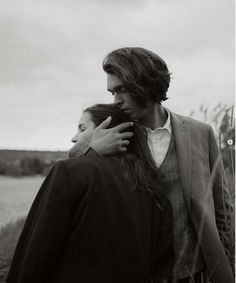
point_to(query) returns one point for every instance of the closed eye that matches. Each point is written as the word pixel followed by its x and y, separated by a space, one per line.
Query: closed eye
pixel 82 127
pixel 117 89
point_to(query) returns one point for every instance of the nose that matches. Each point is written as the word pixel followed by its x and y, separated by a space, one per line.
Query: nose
pixel 117 99
pixel 75 138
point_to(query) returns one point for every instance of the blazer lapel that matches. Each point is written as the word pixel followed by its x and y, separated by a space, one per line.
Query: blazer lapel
pixel 183 147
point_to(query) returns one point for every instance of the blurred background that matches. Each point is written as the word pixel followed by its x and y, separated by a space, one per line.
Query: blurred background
pixel 52 52
pixel 51 56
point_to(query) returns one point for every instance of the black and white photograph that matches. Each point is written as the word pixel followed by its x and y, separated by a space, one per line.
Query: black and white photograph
pixel 117 141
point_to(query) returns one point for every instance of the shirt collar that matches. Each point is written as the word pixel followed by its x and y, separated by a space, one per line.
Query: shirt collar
pixel 166 126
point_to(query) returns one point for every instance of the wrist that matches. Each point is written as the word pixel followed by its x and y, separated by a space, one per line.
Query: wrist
pixel 96 147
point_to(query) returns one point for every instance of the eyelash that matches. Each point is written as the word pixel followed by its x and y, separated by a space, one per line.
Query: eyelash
pixel 82 129
pixel 122 90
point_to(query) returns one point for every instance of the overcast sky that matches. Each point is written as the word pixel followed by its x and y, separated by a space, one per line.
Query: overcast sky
pixel 51 54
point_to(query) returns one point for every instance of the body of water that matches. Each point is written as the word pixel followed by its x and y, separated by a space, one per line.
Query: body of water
pixel 16 196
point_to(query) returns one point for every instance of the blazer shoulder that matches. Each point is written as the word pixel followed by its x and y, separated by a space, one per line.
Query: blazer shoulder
pixel 191 122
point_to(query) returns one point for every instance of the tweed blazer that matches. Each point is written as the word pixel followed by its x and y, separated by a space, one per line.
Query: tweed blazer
pixel 206 194
pixel 87 226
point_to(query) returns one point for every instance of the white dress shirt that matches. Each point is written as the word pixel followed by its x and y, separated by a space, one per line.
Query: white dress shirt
pixel 159 140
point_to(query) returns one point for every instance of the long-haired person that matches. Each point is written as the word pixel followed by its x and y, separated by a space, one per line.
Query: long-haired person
pixel 99 219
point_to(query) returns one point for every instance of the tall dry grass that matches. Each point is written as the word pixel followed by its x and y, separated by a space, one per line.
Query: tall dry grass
pixel 9 235
pixel 221 118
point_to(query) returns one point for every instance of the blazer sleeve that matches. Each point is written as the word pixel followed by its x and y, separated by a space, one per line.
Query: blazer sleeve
pixel 222 201
pixel 45 231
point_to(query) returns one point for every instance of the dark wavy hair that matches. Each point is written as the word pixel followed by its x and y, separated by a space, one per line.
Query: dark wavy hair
pixel 143 73
pixel 138 167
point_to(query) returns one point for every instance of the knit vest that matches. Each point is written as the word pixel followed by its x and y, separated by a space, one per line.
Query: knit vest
pixel 188 256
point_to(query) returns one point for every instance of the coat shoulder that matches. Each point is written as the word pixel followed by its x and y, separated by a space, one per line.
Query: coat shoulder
pixel 82 170
pixel 87 164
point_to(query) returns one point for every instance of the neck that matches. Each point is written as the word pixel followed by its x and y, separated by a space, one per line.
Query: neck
pixel 154 117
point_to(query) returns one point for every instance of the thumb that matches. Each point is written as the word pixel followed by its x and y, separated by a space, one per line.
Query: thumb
pixel 105 123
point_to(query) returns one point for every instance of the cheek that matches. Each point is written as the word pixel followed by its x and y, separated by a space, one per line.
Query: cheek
pixel 87 134
pixel 82 136
pixel 132 103
pixel 135 107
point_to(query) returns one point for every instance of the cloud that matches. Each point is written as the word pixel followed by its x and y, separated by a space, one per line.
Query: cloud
pixel 51 55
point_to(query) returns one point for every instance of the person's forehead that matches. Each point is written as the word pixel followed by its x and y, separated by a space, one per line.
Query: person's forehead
pixel 85 118
pixel 113 81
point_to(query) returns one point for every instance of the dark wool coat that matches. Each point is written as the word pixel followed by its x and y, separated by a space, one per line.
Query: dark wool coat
pixel 86 226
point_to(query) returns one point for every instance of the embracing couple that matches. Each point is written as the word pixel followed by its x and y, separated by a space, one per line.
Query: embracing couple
pixel 142 197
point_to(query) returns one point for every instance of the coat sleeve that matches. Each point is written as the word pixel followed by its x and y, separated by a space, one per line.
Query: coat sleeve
pixel 45 231
pixel 222 201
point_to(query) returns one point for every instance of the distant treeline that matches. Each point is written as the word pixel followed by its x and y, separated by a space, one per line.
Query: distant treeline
pixel 26 163
pixel 221 118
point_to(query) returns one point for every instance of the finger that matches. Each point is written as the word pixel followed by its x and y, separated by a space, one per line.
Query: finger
pixel 105 123
pixel 126 135
pixel 122 149
pixel 123 126
pixel 121 142
pixel 125 142
pixel 123 145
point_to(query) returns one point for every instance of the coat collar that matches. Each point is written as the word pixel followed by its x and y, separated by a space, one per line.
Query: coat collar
pixel 181 131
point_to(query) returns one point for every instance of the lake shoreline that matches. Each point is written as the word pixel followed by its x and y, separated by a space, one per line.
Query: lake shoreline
pixel 17 195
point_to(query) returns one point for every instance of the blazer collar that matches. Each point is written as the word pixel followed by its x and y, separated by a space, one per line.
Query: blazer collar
pixel 181 131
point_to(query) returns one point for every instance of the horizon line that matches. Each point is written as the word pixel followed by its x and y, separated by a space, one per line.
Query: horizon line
pixel 24 149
